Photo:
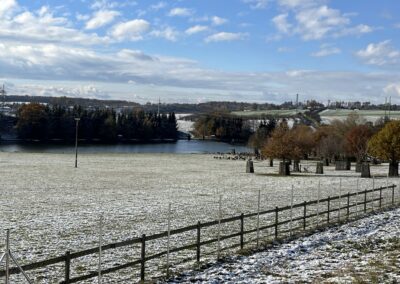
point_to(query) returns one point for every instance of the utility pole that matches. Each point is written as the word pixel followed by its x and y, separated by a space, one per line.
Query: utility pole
pixel 76 141
pixel 158 110
pixel 3 93
pixel 385 108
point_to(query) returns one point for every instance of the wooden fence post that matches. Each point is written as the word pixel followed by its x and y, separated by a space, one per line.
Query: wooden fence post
pixel 198 241
pixel 241 231
pixel 304 215
pixel 365 201
pixel 348 206
pixel 276 222
pixel 143 258
pixel 358 181
pixel 329 209
pixel 392 194
pixel 258 218
pixel 340 198
pixel 67 266
pixel 373 192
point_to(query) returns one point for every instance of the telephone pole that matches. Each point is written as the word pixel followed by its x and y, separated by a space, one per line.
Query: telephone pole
pixel 3 93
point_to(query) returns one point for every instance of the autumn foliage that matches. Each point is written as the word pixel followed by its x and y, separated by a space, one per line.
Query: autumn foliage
pixel 386 145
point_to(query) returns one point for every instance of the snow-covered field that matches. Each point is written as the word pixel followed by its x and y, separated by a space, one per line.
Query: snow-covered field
pixel 327 116
pixel 52 207
pixel 363 251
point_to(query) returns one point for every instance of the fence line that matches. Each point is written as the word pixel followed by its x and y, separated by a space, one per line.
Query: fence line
pixel 278 227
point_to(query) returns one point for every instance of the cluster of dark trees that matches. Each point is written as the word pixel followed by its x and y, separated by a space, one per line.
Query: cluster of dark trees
pixel 223 127
pixel 57 123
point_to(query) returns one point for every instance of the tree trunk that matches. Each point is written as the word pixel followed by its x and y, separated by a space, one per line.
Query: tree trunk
pixel 365 171
pixel 284 169
pixel 271 162
pixel 394 169
pixel 296 166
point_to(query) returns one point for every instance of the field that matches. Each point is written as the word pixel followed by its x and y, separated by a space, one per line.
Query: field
pixel 278 112
pixel 369 115
pixel 52 207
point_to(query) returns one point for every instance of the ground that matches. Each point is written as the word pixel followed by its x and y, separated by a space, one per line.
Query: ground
pixel 364 251
pixel 52 207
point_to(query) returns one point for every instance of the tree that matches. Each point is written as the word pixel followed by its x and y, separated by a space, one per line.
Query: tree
pixel 304 141
pixel 356 142
pixel 32 122
pixel 282 145
pixel 385 145
pixel 263 132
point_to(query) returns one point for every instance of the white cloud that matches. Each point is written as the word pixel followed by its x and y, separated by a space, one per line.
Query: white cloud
pixel 257 4
pixel 132 30
pixel 317 23
pixel 183 78
pixel 196 29
pixel 356 30
pixel 217 21
pixel 158 6
pixel 326 50
pixel 380 54
pixel 167 33
pixel 282 23
pixel 397 26
pixel 180 12
pixel 313 22
pixel 43 26
pixel 82 17
pixel 101 18
pixel 300 3
pixel 6 6
pixel 392 89
pixel 106 4
pixel 225 36
pixel 86 91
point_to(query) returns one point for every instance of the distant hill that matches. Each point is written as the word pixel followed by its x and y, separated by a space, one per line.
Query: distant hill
pixel 149 107
pixel 70 101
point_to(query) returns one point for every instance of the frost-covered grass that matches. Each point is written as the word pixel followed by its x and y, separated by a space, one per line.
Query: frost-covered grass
pixel 52 207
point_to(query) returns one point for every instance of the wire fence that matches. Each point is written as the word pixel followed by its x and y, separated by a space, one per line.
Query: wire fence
pixel 161 254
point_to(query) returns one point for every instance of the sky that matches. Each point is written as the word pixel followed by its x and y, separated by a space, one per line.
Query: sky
pixel 190 51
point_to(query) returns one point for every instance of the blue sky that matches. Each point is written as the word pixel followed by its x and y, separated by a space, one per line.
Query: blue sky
pixel 202 50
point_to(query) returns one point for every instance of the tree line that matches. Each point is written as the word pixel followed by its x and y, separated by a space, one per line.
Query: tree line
pixel 351 139
pixel 223 127
pixel 57 123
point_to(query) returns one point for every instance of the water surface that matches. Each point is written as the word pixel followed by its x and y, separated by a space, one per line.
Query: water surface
pixel 179 147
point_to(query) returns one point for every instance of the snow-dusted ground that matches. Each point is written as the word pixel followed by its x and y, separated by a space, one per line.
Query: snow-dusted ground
pixel 184 125
pixel 363 251
pixel 327 116
pixel 52 207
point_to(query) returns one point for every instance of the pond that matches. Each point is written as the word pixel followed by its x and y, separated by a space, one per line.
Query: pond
pixel 179 147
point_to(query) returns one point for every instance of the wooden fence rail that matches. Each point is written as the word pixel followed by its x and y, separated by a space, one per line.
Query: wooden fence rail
pixel 275 226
